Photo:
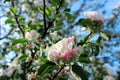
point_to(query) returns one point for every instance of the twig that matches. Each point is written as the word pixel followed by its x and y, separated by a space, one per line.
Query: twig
pixel 57 9
pixel 16 19
pixel 56 74
pixel 51 22
pixel 7 33
pixel 44 14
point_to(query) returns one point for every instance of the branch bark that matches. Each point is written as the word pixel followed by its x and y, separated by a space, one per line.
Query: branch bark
pixel 56 74
pixel 51 22
pixel 16 19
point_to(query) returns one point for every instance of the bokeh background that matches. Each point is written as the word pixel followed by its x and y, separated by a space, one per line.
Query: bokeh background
pixel 108 61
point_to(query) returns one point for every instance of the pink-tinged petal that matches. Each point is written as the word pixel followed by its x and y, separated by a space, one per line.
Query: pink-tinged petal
pixel 76 52
pixel 53 55
pixel 67 55
pixel 93 15
pixel 70 39
pixel 56 55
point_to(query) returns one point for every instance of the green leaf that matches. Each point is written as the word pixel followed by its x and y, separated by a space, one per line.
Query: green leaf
pixel 80 43
pixel 48 12
pixel 9 21
pixel 45 67
pixel 99 39
pixel 97 50
pixel 6 1
pixel 81 50
pixel 57 15
pixel 21 20
pixel 75 75
pixel 83 41
pixel 23 57
pixel 55 2
pixel 1 56
pixel 67 10
pixel 104 35
pixel 85 22
pixel 94 49
pixel 41 9
pixel 21 40
pixel 68 15
pixel 84 59
pixel 79 71
pixel 13 9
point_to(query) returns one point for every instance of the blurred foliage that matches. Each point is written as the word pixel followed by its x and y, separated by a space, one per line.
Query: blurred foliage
pixel 57 16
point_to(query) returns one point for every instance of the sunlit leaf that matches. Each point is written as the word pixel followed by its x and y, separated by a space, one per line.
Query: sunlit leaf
pixel 104 35
pixel 24 56
pixel 13 9
pixel 21 40
pixel 83 28
pixel 9 21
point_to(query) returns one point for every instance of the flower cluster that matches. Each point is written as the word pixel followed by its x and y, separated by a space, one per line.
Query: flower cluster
pixel 108 77
pixel 32 35
pixel 14 66
pixel 93 15
pixel 64 49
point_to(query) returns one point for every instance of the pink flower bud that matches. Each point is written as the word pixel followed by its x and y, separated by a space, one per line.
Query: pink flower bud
pixel 67 55
pixel 70 54
pixel 40 40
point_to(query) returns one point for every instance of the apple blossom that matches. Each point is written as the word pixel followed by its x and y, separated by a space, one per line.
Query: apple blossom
pixel 53 55
pixel 54 35
pixel 13 66
pixel 93 15
pixel 64 49
pixel 18 45
pixel 70 54
pixel 32 35
pixel 1 72
pixel 23 7
pixel 108 77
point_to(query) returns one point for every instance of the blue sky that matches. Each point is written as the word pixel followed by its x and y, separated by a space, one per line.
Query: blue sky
pixel 108 7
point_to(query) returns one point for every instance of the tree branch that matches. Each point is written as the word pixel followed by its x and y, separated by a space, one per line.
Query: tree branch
pixel 44 15
pixel 51 22
pixel 16 19
pixel 7 33
pixel 56 74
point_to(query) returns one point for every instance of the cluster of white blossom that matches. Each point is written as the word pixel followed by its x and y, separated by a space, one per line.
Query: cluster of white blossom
pixel 93 15
pixel 32 35
pixel 1 72
pixel 54 35
pixel 108 77
pixel 14 66
pixel 63 49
